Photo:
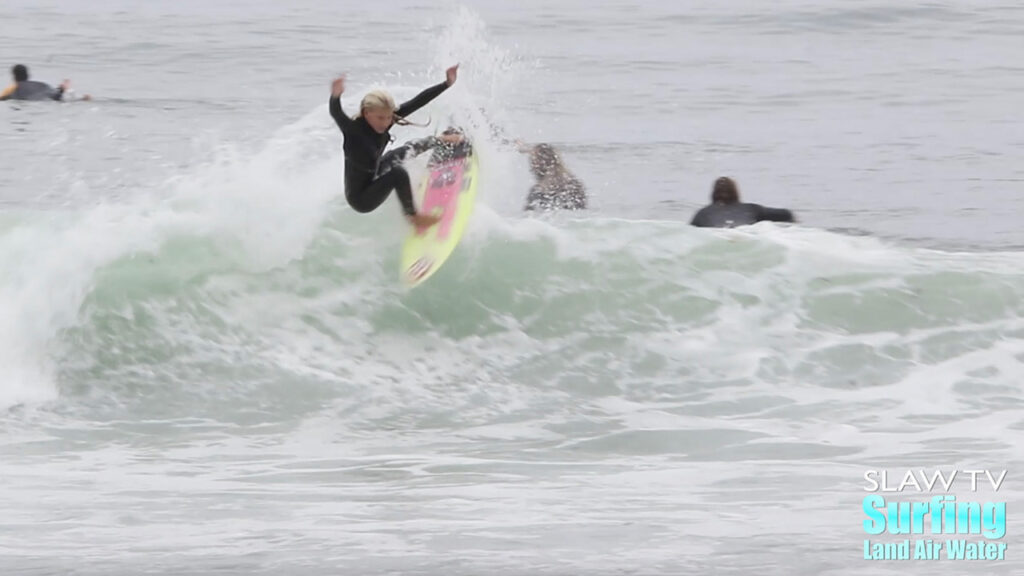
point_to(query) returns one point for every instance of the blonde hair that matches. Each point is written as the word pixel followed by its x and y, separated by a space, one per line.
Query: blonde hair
pixel 381 99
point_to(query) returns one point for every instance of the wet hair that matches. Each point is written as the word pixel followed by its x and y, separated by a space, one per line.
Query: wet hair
pixel 545 161
pixel 381 99
pixel 376 100
pixel 20 73
pixel 725 191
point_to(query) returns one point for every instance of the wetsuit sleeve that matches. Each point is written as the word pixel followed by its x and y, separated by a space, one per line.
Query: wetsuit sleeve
pixel 343 121
pixel 410 149
pixel 421 99
pixel 8 92
pixel 774 214
pixel 423 144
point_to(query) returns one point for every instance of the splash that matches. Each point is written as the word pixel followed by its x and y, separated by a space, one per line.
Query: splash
pixel 261 209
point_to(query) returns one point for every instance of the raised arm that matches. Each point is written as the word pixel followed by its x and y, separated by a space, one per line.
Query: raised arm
pixel 334 105
pixel 423 98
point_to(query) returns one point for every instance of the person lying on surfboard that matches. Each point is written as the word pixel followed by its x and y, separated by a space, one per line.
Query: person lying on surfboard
pixel 25 89
pixel 371 175
pixel 556 187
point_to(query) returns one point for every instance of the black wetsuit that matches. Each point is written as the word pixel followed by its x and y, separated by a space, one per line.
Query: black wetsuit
pixel 371 175
pixel 33 90
pixel 738 214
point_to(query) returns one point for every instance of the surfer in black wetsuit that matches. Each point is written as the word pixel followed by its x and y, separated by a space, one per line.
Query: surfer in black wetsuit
pixel 25 89
pixel 371 175
pixel 450 144
pixel 726 210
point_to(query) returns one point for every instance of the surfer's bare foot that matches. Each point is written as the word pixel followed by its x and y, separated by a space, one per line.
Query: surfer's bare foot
pixel 422 220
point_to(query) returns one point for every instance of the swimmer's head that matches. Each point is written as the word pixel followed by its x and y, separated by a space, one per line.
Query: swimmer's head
pixel 544 161
pixel 20 73
pixel 725 191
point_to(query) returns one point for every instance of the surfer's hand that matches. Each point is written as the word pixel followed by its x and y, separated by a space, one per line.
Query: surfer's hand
pixel 338 86
pixel 451 138
pixel 451 74
pixel 421 220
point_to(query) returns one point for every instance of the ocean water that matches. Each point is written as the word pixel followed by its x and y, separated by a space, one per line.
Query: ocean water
pixel 208 366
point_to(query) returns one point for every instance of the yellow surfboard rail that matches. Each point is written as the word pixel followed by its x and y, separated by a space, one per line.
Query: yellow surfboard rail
pixel 423 254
